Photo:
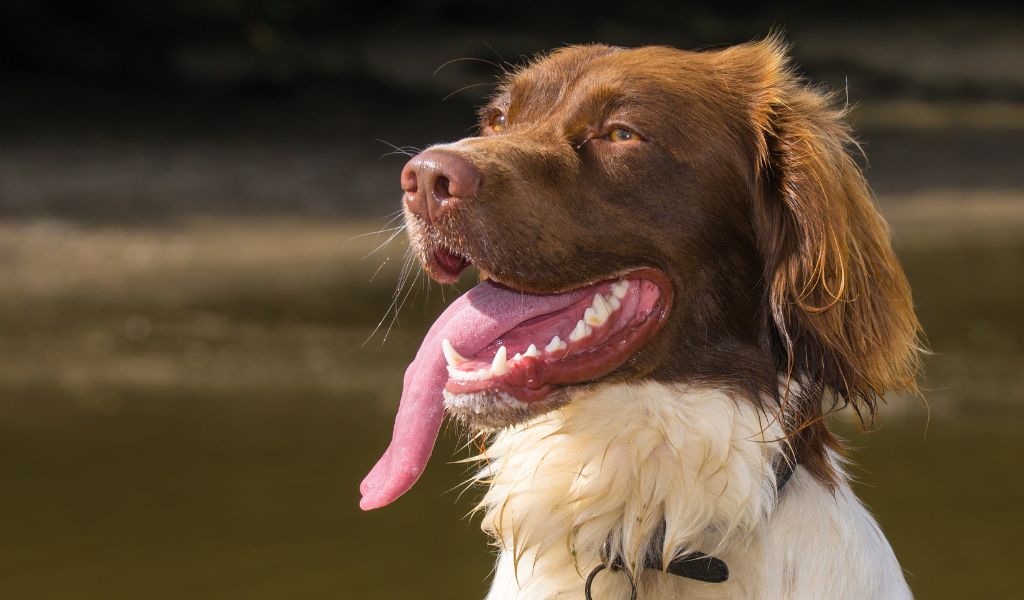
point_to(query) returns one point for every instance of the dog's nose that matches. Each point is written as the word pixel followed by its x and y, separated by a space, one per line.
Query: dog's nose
pixel 435 180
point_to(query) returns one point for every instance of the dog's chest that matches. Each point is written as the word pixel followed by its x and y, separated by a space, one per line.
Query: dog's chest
pixel 618 463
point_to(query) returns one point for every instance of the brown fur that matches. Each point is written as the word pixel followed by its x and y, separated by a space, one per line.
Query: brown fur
pixel 742 191
pixel 839 300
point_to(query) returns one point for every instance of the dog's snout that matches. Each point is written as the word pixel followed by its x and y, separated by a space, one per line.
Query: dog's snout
pixel 434 181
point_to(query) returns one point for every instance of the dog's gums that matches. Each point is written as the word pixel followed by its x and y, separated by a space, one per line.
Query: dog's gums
pixel 601 326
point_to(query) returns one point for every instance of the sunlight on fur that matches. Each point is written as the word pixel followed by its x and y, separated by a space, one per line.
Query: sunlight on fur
pixel 613 464
pixel 617 460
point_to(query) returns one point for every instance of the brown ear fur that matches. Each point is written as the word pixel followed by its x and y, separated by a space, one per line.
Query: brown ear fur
pixel 839 316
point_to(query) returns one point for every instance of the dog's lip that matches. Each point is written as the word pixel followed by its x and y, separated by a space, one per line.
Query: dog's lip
pixel 653 274
pixel 530 374
pixel 446 265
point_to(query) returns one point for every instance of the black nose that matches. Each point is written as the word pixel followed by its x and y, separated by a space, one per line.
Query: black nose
pixel 434 181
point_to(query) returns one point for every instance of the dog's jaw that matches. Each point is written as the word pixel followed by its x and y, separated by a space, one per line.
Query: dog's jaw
pixel 491 410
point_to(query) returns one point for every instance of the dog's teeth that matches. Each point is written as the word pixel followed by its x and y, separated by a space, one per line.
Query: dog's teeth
pixel 620 288
pixel 601 307
pixel 499 366
pixel 518 356
pixel 581 331
pixel 593 318
pixel 450 355
pixel 613 302
pixel 532 351
pixel 554 345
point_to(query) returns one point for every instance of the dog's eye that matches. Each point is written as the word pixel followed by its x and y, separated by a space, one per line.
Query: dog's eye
pixel 497 121
pixel 622 135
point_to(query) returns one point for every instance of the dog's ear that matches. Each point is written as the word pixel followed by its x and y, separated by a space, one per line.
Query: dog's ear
pixel 838 313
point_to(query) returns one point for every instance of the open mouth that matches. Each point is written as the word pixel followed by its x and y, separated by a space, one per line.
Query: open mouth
pixel 498 342
pixel 592 331
pixel 446 265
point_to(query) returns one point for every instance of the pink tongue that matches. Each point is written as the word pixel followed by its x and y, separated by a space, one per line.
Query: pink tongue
pixel 472 322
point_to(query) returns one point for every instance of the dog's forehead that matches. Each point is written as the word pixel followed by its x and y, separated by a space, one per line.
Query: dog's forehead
pixel 562 65
pixel 582 74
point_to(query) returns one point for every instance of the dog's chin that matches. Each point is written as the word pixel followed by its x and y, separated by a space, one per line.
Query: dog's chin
pixel 488 410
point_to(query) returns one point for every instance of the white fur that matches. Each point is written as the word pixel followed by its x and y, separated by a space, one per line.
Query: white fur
pixel 619 459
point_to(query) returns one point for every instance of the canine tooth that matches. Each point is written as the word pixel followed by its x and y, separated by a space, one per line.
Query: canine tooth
pixel 613 302
pixel 601 307
pixel 450 355
pixel 581 331
pixel 532 351
pixel 593 318
pixel 620 288
pixel 554 345
pixel 499 366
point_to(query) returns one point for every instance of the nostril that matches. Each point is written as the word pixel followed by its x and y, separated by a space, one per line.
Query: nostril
pixel 442 189
pixel 435 181
pixel 409 183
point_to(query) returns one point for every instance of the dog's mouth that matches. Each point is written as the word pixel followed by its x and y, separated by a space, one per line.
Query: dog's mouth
pixel 582 335
pixel 590 330
pixel 499 344
pixel 446 265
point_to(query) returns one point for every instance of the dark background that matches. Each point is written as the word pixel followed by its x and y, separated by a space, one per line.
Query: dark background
pixel 232 107
pixel 187 403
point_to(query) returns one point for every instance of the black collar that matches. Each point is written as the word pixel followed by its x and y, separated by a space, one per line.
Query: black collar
pixel 692 565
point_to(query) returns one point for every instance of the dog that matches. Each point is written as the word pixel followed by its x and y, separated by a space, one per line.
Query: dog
pixel 683 273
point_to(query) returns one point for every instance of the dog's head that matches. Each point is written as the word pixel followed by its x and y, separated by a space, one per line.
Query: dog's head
pixel 652 214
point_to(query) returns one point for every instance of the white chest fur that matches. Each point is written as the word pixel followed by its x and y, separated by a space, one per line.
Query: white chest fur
pixel 618 461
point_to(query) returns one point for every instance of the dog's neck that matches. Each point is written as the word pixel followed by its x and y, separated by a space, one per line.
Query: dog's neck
pixel 617 462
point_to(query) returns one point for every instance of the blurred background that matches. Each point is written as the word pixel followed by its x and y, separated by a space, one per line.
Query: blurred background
pixel 191 384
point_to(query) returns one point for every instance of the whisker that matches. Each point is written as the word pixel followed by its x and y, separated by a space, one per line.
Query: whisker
pixel 378 232
pixel 396 153
pixel 398 231
pixel 398 214
pixel 403 276
pixel 384 262
pixel 465 58
pixel 391 218
pixel 465 87
pixel 394 318
pixel 496 53
pixel 402 150
pixel 410 147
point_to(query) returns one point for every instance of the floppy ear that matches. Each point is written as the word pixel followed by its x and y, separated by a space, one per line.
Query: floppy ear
pixel 839 314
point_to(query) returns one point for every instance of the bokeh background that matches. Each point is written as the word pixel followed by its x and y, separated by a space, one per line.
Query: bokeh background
pixel 191 385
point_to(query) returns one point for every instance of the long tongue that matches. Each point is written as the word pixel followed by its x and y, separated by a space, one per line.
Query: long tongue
pixel 472 322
